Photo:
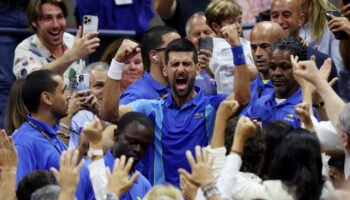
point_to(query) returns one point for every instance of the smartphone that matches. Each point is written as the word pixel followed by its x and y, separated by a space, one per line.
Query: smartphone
pixel 340 35
pixel 90 23
pixel 205 43
pixel 83 81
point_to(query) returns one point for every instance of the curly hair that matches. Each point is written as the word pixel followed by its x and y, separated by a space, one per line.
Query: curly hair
pixel 290 44
pixel 253 156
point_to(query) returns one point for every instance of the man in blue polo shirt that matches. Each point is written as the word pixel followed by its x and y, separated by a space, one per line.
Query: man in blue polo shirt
pixel 186 117
pixel 287 93
pixel 153 84
pixel 38 145
pixel 262 36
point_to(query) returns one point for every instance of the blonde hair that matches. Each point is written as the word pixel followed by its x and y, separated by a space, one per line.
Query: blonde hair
pixel 220 10
pixel 163 192
pixel 316 16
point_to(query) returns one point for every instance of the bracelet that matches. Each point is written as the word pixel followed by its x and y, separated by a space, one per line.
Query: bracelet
pixel 207 183
pixel 318 105
pixel 63 135
pixel 238 55
pixel 211 192
pixel 115 70
pixel 65 126
pixel 236 152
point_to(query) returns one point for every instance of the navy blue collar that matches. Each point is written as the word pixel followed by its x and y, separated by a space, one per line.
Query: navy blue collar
pixel 195 101
pixel 45 127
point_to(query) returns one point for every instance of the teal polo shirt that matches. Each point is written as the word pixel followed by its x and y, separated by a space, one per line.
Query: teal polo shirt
pixel 177 130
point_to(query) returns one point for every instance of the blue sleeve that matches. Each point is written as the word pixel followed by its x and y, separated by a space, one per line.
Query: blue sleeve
pixel 127 98
pixel 140 106
pixel 84 189
pixel 26 162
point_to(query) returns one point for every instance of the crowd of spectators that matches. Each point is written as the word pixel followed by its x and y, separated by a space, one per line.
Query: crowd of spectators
pixel 187 110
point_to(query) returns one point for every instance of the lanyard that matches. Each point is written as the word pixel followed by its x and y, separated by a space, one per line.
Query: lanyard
pixel 44 134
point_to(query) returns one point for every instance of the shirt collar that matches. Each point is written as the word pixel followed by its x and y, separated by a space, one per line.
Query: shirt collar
pixel 43 126
pixel 194 101
pixel 294 99
pixel 260 82
pixel 154 84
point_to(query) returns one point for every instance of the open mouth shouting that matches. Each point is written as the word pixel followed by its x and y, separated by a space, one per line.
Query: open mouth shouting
pixel 181 83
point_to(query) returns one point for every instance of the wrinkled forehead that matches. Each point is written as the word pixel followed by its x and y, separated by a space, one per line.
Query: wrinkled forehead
pixel 280 55
pixel 286 5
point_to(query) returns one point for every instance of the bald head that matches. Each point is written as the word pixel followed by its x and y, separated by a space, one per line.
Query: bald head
pixel 262 36
pixel 288 14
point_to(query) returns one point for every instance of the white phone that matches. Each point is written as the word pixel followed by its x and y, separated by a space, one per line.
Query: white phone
pixel 90 23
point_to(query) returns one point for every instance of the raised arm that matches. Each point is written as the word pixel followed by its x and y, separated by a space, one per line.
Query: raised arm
pixel 8 167
pixel 333 103
pixel 241 80
pixel 165 8
pixel 82 47
pixel 226 109
pixel 111 111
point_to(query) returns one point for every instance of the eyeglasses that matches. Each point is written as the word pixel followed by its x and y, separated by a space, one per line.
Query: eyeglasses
pixel 160 49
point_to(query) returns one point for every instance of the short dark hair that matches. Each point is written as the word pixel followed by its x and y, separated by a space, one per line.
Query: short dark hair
pixel 152 40
pixel 130 117
pixel 290 44
pixel 33 181
pixel 36 83
pixel 34 11
pixel 298 163
pixel 254 147
pixel 178 45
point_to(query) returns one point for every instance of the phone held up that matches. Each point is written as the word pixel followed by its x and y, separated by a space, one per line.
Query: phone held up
pixel 340 35
pixel 90 24
pixel 205 43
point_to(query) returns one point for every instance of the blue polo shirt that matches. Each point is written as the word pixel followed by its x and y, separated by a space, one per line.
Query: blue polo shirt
pixel 85 191
pixel 258 89
pixel 144 88
pixel 268 110
pixel 177 130
pixel 34 150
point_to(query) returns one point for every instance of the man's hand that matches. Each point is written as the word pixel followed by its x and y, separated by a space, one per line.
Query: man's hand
pixel 204 57
pixel 303 111
pixel 83 146
pixel 84 45
pixel 227 109
pixel 339 24
pixel 68 176
pixel 201 170
pixel 91 104
pixel 8 153
pixel 93 132
pixel 127 50
pixel 118 181
pixel 230 34
pixel 76 103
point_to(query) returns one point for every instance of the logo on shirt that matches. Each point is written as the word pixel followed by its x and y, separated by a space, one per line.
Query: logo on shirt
pixel 198 115
pixel 289 118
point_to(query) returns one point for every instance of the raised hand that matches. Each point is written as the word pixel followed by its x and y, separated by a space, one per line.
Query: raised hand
pixel 127 50
pixel 118 181
pixel 84 45
pixel 227 109
pixel 8 153
pixel 201 170
pixel 68 175
pixel 93 131
pixel 303 111
pixel 230 34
